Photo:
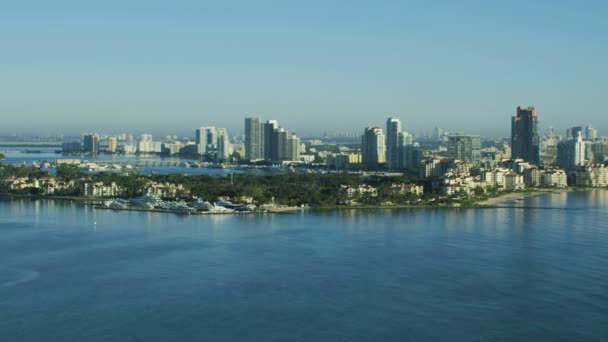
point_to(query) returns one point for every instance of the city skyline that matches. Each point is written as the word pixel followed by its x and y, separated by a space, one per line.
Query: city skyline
pixel 458 67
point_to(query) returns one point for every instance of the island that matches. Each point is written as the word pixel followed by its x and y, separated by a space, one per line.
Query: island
pixel 244 193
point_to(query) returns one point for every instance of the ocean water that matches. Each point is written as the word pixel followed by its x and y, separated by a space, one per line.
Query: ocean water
pixel 74 273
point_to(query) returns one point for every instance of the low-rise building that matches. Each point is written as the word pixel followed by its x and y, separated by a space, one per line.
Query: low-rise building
pixel 403 189
pixel 99 189
pixel 360 190
pixel 554 178
pixel 514 181
pixel 590 175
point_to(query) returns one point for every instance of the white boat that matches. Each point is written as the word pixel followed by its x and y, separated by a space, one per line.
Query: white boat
pixel 210 208
pixel 146 201
pixel 116 203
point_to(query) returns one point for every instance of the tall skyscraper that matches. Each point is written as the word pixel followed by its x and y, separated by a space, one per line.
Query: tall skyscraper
pixel 271 145
pixel 464 147
pixel 525 142
pixel 223 144
pixel 254 139
pixel 393 128
pixel 201 140
pixel 373 150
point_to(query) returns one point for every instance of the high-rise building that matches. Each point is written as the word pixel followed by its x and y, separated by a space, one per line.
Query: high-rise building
pixel 464 147
pixel 112 144
pixel 572 132
pixel 393 129
pixel 201 140
pixel 525 142
pixel 409 154
pixel 211 135
pixel 91 143
pixel 293 149
pixel 148 145
pixel 254 139
pixel 548 150
pixel 271 145
pixel 206 139
pixel 572 152
pixel 590 133
pixel 373 150
pixel 223 144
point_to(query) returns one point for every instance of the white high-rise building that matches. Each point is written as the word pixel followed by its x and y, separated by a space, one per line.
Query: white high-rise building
pixel 205 137
pixel 201 140
pixel 148 145
pixel 571 153
pixel 112 144
pixel 223 144
pixel 393 128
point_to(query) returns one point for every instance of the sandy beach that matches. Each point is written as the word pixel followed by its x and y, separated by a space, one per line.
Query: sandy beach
pixel 506 198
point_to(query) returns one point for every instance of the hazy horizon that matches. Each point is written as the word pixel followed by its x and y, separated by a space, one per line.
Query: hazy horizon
pixel 316 67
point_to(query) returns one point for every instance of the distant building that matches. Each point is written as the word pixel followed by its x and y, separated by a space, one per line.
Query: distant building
pixel 91 143
pixel 590 133
pixel 373 150
pixel 271 140
pixel 223 145
pixel 525 142
pixel 169 149
pixel 571 153
pixel 200 138
pixel 548 150
pixel 148 145
pixel 71 147
pixel 464 147
pixel 254 139
pixel 112 144
pixel 342 161
pixel 573 132
pixel 393 130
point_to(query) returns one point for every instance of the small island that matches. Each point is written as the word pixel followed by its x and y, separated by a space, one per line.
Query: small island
pixel 247 193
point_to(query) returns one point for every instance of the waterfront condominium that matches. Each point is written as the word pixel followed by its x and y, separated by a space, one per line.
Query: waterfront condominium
pixel 525 142
pixel 373 149
pixel 254 139
pixel 393 129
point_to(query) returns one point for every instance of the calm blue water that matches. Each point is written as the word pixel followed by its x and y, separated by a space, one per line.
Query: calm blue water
pixel 73 273
pixel 17 155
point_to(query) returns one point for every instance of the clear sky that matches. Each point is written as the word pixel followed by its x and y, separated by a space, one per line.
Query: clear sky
pixel 315 66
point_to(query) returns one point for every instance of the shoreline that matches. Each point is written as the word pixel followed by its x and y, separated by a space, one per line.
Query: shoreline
pixel 503 200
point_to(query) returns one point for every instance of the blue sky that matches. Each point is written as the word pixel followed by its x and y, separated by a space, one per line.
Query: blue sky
pixel 170 66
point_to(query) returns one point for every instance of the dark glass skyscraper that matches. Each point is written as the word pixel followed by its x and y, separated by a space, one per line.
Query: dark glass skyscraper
pixel 525 142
